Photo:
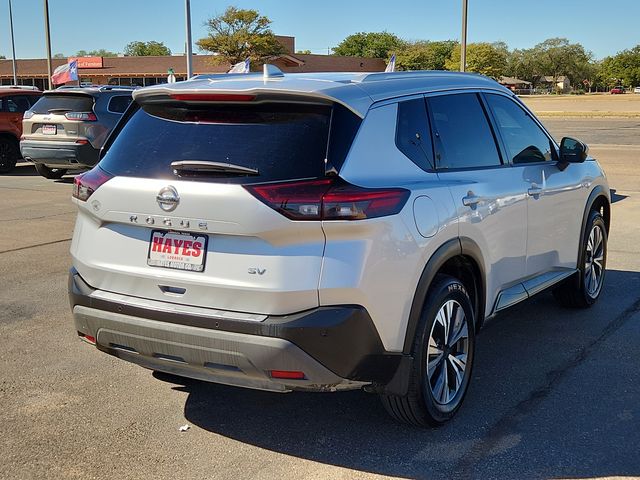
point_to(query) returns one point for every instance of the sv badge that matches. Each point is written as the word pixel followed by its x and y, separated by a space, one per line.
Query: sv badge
pixel 257 271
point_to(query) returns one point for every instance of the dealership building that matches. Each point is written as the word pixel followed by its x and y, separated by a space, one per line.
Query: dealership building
pixel 145 71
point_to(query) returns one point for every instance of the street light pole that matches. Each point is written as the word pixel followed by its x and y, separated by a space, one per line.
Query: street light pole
pixel 48 40
pixel 188 52
pixel 463 43
pixel 13 46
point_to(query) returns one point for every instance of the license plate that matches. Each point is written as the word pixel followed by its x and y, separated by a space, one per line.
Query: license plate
pixel 49 129
pixel 178 250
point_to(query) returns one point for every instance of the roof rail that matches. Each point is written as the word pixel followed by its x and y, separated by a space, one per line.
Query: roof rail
pixel 379 76
pixel 116 87
pixel 19 87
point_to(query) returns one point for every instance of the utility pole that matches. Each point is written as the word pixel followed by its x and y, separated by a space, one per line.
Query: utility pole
pixel 48 40
pixel 188 52
pixel 13 46
pixel 463 43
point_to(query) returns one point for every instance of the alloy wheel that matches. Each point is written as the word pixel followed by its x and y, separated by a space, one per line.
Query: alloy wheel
pixel 594 261
pixel 447 352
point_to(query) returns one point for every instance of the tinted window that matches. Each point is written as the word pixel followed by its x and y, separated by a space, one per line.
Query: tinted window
pixel 344 126
pixel 15 104
pixel 119 104
pixel 281 141
pixel 64 102
pixel 462 134
pixel 524 139
pixel 412 133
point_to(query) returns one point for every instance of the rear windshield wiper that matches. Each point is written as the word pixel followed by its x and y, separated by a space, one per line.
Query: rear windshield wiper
pixel 200 166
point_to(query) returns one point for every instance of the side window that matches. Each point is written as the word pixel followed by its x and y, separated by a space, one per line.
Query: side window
pixel 524 139
pixel 462 135
pixel 119 104
pixel 412 133
pixel 16 104
pixel 33 99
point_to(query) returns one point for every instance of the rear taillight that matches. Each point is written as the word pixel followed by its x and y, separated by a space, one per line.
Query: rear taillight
pixel 81 116
pixel 84 185
pixel 329 199
pixel 27 115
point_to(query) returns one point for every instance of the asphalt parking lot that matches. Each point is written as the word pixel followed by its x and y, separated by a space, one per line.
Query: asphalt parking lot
pixel 554 395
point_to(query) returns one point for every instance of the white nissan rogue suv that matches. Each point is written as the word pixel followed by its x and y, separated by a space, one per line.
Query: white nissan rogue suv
pixel 330 231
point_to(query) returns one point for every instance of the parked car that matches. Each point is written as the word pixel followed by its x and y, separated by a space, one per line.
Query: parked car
pixel 67 127
pixel 636 90
pixel 14 101
pixel 617 90
pixel 328 232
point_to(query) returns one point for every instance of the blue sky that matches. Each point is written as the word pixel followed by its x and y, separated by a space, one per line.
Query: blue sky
pixel 317 25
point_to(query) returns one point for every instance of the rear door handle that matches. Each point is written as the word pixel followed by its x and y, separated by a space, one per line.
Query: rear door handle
pixel 534 191
pixel 470 200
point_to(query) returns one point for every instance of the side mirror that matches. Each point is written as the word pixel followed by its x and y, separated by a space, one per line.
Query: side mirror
pixel 572 151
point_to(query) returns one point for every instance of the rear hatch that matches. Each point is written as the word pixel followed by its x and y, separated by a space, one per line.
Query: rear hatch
pixel 179 208
pixel 62 116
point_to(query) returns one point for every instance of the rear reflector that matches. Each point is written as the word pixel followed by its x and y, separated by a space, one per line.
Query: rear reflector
pixel 329 199
pixel 84 185
pixel 287 374
pixel 212 97
pixel 81 116
pixel 87 338
pixel 82 142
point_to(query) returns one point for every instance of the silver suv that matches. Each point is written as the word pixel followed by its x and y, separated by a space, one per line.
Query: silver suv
pixel 66 128
pixel 330 231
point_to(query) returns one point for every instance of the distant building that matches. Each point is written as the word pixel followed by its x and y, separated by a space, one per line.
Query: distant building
pixel 562 83
pixel 145 71
pixel 515 84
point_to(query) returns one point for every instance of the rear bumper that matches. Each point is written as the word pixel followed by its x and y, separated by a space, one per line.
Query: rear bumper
pixel 336 347
pixel 59 154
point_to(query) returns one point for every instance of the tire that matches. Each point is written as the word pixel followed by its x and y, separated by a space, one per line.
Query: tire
pixel 583 289
pixel 50 173
pixel 9 154
pixel 426 403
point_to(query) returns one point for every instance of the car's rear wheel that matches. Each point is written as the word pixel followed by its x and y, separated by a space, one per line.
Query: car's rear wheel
pixel 583 289
pixel 9 154
pixel 50 173
pixel 443 353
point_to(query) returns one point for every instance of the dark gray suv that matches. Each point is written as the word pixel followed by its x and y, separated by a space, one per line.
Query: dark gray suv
pixel 66 128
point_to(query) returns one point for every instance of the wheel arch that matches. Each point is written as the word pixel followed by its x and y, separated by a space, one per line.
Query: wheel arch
pixel 458 257
pixel 11 136
pixel 599 200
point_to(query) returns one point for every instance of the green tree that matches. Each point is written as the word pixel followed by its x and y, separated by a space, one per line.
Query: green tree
pixel 521 64
pixel 59 55
pixel 489 59
pixel 425 55
pixel 101 52
pixel 556 57
pixel 370 44
pixel 622 68
pixel 146 49
pixel 304 52
pixel 2 57
pixel 238 34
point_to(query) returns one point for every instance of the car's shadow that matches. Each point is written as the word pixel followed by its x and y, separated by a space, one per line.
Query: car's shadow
pixel 523 357
pixel 616 197
pixel 22 169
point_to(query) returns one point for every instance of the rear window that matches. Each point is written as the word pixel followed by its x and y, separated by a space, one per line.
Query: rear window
pixel 119 103
pixel 281 141
pixel 63 102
